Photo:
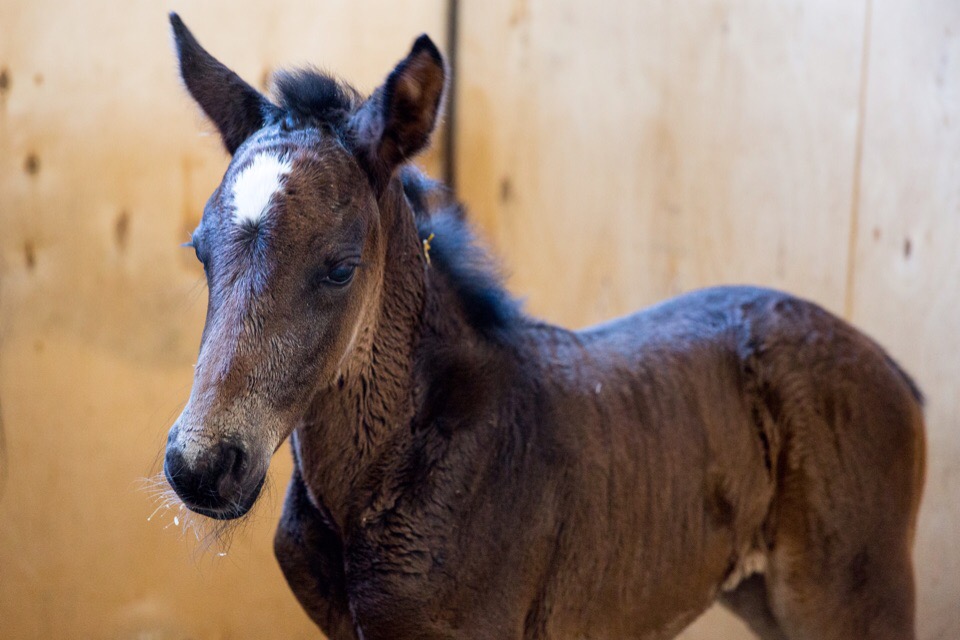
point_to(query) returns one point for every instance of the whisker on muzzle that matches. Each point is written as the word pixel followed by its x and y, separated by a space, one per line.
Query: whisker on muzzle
pixel 206 536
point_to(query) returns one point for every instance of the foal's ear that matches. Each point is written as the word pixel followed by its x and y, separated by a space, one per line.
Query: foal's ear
pixel 237 109
pixel 395 123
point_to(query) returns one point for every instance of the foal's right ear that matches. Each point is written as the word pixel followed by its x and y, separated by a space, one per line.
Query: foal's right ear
pixel 237 109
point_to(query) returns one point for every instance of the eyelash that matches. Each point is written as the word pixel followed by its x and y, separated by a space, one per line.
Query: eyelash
pixel 192 243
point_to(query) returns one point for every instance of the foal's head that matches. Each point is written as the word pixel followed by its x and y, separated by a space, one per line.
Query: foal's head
pixel 293 247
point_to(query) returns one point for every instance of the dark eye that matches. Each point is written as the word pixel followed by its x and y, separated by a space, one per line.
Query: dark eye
pixel 195 245
pixel 340 275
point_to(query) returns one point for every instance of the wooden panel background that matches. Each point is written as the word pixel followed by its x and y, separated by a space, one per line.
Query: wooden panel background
pixel 102 176
pixel 906 289
pixel 614 156
pixel 617 156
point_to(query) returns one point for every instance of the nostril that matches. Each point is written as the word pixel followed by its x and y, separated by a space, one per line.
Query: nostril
pixel 172 463
pixel 234 462
pixel 232 471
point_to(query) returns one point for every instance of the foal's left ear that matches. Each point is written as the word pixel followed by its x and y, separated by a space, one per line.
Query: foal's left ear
pixel 395 123
pixel 237 109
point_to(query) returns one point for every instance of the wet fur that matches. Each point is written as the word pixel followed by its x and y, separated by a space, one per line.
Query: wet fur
pixel 610 483
pixel 474 473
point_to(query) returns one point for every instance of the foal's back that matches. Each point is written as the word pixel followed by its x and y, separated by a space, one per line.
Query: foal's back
pixel 735 443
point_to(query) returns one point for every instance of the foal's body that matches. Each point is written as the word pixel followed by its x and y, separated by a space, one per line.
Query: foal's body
pixel 613 482
pixel 463 471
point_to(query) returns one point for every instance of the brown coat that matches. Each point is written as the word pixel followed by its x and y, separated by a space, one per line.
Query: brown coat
pixel 464 471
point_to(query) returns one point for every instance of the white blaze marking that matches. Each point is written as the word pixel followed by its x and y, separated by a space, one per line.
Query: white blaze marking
pixel 255 185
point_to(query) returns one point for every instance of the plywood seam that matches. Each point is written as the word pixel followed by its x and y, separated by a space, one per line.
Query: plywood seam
pixel 449 155
pixel 854 227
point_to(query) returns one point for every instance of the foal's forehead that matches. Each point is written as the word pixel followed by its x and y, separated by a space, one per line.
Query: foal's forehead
pixel 263 167
pixel 255 185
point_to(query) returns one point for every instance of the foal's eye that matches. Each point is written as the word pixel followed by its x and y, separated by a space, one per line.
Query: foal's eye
pixel 340 275
pixel 193 244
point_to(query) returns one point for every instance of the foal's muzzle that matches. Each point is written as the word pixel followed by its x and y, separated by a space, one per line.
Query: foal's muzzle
pixel 222 482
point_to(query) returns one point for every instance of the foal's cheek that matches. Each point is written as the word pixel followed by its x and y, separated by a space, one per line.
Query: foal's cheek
pixel 309 367
pixel 340 335
pixel 327 326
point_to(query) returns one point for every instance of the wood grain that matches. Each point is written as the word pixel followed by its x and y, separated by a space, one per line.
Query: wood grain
pixel 620 156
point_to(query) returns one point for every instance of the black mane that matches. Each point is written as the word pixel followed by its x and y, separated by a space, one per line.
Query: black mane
pixel 313 96
pixel 474 276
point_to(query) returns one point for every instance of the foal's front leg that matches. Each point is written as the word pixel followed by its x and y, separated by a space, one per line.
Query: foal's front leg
pixel 311 557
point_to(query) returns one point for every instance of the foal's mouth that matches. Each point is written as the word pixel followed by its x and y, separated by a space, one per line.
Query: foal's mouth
pixel 230 511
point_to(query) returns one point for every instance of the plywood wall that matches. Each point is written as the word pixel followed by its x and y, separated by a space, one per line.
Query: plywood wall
pixel 906 289
pixel 104 169
pixel 679 144
pixel 621 154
